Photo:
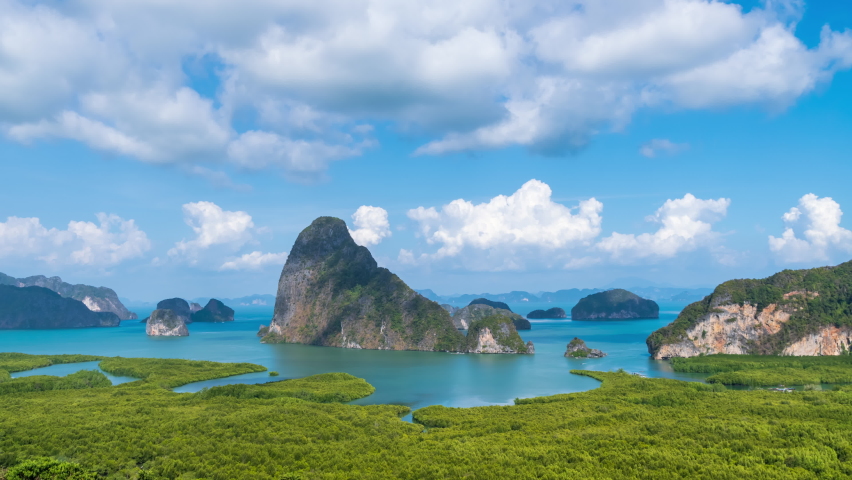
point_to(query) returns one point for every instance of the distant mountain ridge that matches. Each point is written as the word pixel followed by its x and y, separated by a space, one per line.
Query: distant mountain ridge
pixel 572 295
pixel 96 299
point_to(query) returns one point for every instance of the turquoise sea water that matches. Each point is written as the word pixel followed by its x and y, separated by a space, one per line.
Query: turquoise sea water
pixel 416 379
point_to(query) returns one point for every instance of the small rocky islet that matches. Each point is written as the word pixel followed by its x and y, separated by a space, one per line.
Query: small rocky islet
pixel 172 316
pixel 577 348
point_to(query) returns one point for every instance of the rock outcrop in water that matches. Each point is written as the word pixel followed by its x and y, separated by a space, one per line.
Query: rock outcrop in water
pixel 166 323
pixel 614 304
pixel 96 299
pixel 42 308
pixel 214 311
pixel 496 334
pixel 550 313
pixel 332 293
pixel 464 317
pixel 577 348
pixel 794 312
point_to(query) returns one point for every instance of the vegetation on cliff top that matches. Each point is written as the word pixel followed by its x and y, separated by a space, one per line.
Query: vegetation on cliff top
pixel 490 303
pixel 615 304
pixel 629 428
pixel 824 298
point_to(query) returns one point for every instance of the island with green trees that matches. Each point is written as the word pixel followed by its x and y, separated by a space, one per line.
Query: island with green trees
pixel 794 312
pixel 616 304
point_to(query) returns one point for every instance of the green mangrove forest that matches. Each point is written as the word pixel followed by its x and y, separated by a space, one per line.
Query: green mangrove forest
pixel 82 427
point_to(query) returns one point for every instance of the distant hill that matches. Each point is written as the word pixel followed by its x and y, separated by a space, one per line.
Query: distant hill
pixel 257 300
pixel 41 308
pixel 96 299
pixel 567 298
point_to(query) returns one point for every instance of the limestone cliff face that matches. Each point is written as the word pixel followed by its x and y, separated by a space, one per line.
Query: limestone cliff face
pixel 829 340
pixel 464 317
pixel 794 312
pixel 165 323
pixel 732 329
pixel 332 293
pixel 496 334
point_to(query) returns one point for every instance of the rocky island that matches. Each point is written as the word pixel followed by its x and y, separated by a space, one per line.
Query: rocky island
pixel 577 348
pixel 214 311
pixel 96 299
pixel 496 334
pixel 614 304
pixel 464 317
pixel 166 323
pixel 794 312
pixel 332 293
pixel 550 313
pixel 42 308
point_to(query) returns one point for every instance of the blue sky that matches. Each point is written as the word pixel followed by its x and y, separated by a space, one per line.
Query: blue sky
pixel 628 144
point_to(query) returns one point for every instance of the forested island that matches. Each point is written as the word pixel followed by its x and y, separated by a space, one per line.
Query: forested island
pixel 614 304
pixel 794 312
pixel 629 427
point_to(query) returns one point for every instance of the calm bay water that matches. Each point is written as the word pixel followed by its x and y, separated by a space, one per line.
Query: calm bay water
pixel 416 379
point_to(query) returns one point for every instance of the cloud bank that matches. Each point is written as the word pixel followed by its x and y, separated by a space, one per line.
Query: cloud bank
pixel 174 82
pixel 108 243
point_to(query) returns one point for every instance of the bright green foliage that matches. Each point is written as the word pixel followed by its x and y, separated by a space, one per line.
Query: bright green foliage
pixel 273 373
pixel 617 303
pixel 19 362
pixel 502 329
pixel 765 370
pixel 629 428
pixel 49 469
pixel 825 298
pixel 171 373
pixel 323 388
pixel 40 383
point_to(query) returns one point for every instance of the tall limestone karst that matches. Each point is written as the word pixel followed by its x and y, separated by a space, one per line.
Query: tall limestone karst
pixel 333 293
pixel 794 312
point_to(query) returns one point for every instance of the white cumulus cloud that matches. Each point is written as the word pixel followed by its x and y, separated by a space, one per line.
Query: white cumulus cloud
pixel 685 224
pixel 105 244
pixel 212 226
pixel 371 224
pixel 818 221
pixel 255 261
pixel 313 77
pixel 527 219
